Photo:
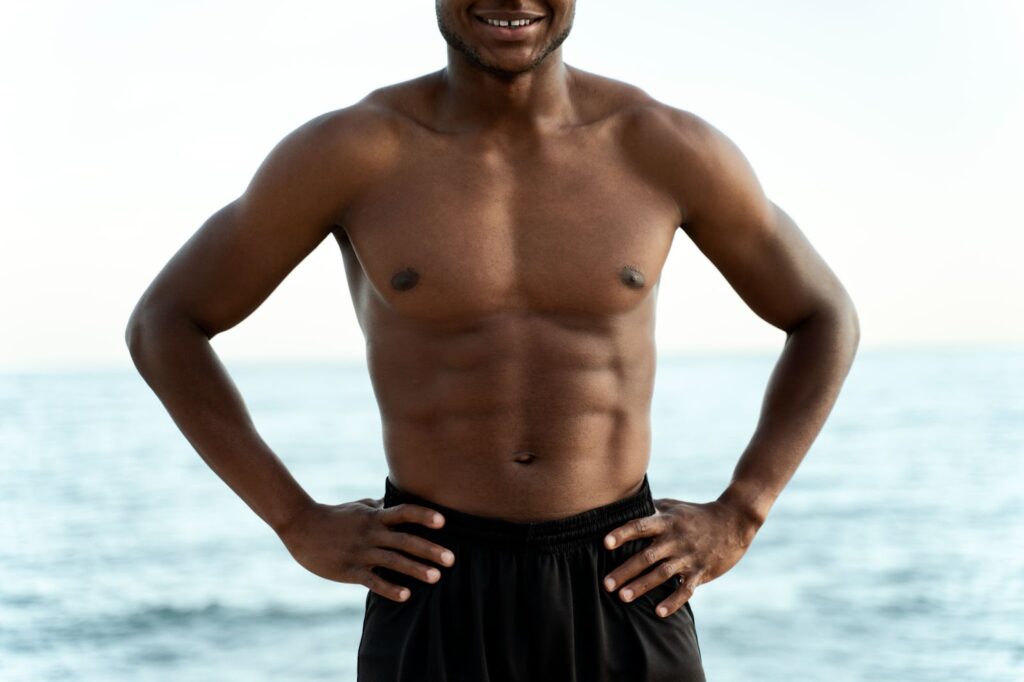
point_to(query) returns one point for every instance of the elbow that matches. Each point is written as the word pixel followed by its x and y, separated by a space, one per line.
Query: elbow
pixel 840 317
pixel 845 323
pixel 845 312
pixel 140 322
pixel 855 326
pixel 132 332
pixel 148 328
pixel 154 330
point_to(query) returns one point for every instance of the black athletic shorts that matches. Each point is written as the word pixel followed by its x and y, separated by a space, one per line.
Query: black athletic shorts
pixel 525 602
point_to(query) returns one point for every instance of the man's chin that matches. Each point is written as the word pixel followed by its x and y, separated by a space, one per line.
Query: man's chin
pixel 504 62
pixel 508 67
pixel 509 70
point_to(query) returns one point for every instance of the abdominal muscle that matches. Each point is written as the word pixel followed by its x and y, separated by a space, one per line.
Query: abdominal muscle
pixel 516 415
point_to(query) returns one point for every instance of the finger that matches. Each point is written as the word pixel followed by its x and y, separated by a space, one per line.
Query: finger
pixel 648 581
pixel 402 564
pixel 637 564
pixel 385 588
pixel 417 546
pixel 411 513
pixel 642 527
pixel 683 593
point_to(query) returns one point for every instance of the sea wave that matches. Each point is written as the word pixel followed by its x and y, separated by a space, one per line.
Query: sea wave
pixel 145 621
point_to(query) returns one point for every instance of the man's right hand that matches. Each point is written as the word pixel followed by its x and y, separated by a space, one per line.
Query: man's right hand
pixel 343 542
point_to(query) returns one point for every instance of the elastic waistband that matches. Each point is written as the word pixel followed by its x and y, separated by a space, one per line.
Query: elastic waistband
pixel 584 527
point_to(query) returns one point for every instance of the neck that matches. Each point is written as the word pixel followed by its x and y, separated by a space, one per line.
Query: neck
pixel 534 100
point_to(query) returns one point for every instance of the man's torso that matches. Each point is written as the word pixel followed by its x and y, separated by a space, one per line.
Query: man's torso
pixel 506 286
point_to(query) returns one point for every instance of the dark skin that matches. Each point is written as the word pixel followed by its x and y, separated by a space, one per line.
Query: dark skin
pixel 503 223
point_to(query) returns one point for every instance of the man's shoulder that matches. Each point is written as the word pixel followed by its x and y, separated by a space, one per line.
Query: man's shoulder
pixel 359 137
pixel 389 113
pixel 675 147
pixel 363 124
pixel 648 127
pixel 650 122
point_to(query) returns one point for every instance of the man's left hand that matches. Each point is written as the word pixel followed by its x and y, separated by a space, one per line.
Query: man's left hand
pixel 699 541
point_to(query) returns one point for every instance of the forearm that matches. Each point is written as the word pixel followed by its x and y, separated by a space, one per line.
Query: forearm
pixel 801 392
pixel 177 361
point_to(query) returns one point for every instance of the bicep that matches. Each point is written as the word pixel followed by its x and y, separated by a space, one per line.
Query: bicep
pixel 236 259
pixel 753 243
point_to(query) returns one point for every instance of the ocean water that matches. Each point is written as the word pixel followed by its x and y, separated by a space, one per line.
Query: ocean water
pixel 895 553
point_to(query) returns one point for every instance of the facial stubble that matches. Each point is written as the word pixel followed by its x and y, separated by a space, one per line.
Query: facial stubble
pixel 474 57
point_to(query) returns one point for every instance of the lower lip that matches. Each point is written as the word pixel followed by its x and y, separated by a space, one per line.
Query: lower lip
pixel 509 34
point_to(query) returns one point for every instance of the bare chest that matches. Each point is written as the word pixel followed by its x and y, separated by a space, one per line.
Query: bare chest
pixel 457 231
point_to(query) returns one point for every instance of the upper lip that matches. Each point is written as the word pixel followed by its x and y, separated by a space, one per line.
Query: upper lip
pixel 505 15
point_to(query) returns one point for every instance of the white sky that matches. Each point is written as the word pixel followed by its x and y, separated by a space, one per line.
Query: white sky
pixel 890 131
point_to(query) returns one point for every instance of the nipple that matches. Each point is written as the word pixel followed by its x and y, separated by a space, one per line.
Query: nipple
pixel 405 279
pixel 631 276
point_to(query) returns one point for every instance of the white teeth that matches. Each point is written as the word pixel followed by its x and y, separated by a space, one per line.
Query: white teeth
pixel 509 24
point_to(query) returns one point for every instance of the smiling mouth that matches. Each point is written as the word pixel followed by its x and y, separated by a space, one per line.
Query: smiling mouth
pixel 511 24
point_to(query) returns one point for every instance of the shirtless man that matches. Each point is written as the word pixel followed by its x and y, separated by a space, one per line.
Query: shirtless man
pixel 504 222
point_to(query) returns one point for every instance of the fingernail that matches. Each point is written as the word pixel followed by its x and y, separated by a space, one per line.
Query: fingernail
pixel 447 557
pixel 627 594
pixel 433 574
pixel 609 583
pixel 609 541
pixel 403 594
pixel 662 611
pixel 438 520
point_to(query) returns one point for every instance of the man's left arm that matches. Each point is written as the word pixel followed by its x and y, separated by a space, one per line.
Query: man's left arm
pixel 772 266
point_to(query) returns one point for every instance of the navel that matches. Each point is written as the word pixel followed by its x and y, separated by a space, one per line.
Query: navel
pixel 405 279
pixel 631 276
pixel 523 457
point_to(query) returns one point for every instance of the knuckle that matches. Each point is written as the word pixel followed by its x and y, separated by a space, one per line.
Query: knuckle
pixel 407 542
pixel 393 514
pixel 667 570
pixel 402 564
pixel 650 555
pixel 641 524
pixel 371 533
pixel 373 581
pixel 421 515
pixel 408 564
pixel 374 557
pixel 424 548
pixel 389 560
pixel 383 587
pixel 374 518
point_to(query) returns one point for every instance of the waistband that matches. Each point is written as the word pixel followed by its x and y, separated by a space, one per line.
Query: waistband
pixel 583 527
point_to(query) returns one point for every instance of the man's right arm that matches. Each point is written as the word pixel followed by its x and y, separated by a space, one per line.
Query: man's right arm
pixel 227 269
pixel 222 274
